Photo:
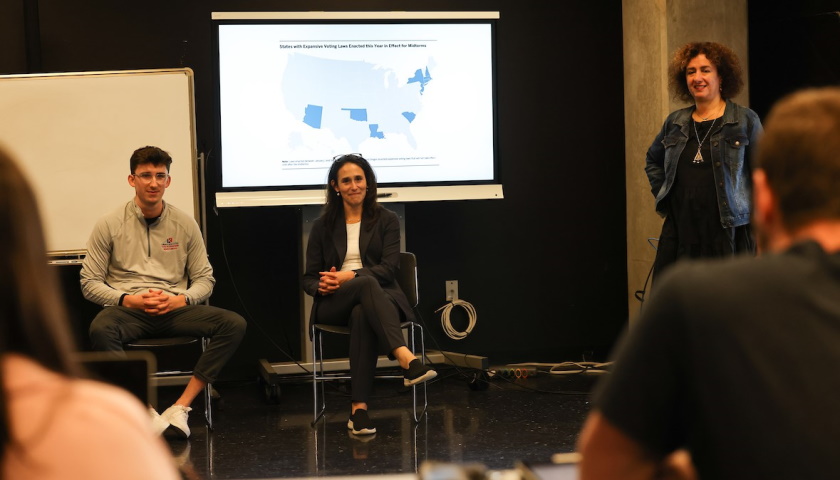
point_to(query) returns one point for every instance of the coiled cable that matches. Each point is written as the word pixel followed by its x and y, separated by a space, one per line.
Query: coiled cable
pixel 451 331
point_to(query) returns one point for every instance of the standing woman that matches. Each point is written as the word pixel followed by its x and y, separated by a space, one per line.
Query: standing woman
pixel 699 163
pixel 351 263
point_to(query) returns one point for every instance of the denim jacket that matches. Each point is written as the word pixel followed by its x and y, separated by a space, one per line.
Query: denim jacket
pixel 731 144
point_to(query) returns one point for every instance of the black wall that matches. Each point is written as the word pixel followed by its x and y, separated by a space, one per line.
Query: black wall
pixel 793 44
pixel 545 268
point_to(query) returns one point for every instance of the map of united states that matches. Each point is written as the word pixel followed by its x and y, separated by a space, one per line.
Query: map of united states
pixel 354 100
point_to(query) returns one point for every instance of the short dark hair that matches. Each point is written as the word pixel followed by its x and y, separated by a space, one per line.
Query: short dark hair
pixel 722 57
pixel 149 154
pixel 799 155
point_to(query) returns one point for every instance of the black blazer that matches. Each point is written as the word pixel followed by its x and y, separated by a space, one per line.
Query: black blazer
pixel 379 245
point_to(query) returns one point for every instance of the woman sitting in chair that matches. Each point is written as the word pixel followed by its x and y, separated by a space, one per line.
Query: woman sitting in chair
pixel 351 263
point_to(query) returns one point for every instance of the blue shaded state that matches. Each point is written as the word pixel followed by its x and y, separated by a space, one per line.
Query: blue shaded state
pixel 358 114
pixel 410 116
pixel 332 85
pixel 421 78
pixel 374 131
pixel 312 115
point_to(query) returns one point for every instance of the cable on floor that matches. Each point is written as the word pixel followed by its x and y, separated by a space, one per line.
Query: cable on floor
pixel 567 368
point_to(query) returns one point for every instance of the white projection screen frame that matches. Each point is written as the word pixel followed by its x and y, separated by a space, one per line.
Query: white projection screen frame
pixel 241 154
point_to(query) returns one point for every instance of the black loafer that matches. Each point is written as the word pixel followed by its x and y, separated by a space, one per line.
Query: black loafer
pixel 360 424
pixel 417 372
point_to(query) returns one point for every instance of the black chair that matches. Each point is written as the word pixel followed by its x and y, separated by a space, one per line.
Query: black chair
pixel 175 377
pixel 407 279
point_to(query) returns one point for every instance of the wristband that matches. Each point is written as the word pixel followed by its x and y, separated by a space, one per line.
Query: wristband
pixel 119 304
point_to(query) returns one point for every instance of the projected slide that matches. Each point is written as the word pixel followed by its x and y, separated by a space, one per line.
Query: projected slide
pixel 353 99
pixel 415 99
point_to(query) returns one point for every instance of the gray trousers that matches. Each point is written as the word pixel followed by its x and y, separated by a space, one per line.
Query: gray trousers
pixel 115 326
pixel 374 321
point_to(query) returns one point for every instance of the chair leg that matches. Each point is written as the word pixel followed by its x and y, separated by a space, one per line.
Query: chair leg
pixel 317 381
pixel 208 406
pixel 208 395
pixel 319 377
pixel 414 328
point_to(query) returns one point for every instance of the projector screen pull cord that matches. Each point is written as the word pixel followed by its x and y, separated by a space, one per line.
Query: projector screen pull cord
pixel 451 331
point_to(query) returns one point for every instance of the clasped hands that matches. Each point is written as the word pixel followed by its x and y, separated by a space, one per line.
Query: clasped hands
pixel 155 302
pixel 332 280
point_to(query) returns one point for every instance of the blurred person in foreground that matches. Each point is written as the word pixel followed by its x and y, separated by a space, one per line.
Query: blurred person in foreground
pixel 53 423
pixel 731 371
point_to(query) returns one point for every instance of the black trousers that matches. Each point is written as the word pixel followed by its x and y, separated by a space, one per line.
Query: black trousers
pixel 115 326
pixel 374 320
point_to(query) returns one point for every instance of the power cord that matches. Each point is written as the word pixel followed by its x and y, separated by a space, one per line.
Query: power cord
pixel 512 382
pixel 478 380
pixel 565 368
pixel 641 294
pixel 252 320
pixel 451 331
pixel 481 380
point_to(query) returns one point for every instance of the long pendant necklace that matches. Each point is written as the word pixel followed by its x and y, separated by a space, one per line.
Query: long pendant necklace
pixel 699 157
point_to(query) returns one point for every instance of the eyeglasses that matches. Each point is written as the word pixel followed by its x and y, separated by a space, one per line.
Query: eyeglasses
pixel 343 155
pixel 148 176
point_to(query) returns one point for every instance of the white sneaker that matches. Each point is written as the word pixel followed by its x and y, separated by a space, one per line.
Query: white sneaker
pixel 176 416
pixel 159 424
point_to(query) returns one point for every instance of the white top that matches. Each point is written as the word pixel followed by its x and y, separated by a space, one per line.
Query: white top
pixel 353 259
pixel 73 429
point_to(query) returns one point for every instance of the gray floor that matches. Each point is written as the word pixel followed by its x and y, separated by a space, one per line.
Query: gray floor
pixel 512 419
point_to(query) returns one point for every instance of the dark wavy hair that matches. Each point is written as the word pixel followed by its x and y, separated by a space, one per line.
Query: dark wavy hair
pixel 722 57
pixel 33 318
pixel 798 153
pixel 334 205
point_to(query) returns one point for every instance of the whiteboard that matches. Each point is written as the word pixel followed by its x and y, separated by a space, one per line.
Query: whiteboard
pixel 73 135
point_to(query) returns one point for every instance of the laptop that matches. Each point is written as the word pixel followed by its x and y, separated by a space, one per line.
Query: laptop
pixel 562 466
pixel 130 372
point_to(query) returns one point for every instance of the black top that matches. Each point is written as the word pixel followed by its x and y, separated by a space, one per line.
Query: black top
pixel 692 227
pixel 736 360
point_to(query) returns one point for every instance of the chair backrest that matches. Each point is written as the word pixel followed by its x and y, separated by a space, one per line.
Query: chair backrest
pixel 407 277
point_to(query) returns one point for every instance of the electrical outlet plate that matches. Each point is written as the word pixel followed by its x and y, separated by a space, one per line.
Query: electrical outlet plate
pixel 451 290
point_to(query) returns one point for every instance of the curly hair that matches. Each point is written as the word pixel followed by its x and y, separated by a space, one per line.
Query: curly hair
pixel 722 57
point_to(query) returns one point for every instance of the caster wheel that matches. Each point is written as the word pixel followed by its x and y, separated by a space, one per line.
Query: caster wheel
pixel 479 382
pixel 271 392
